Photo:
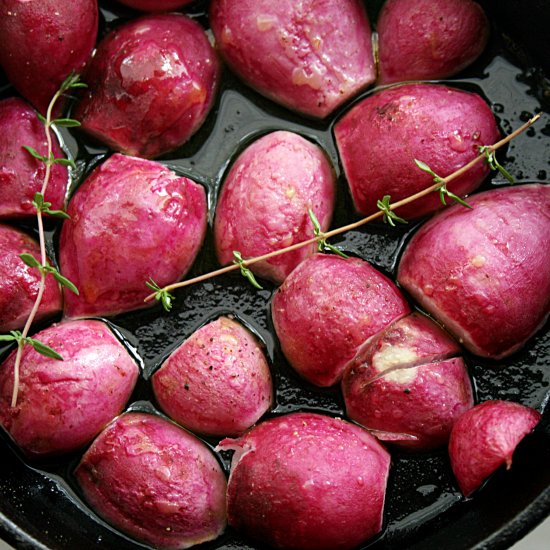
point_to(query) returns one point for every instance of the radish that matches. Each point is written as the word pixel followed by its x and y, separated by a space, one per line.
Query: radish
pixel 63 405
pixel 155 482
pixel 307 482
pixel 309 56
pixel 264 202
pixel 130 220
pixel 217 382
pixel 485 438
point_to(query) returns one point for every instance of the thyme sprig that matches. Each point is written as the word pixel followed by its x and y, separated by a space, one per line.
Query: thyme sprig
pixel 322 244
pixel 381 213
pixel 43 207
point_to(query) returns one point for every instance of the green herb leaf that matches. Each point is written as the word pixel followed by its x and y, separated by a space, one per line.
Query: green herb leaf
pixel 39 346
pixel 491 160
pixel 33 152
pixel 322 244
pixel 42 206
pixel 245 272
pixel 66 122
pixel 43 349
pixel 425 168
pixel 314 221
pixel 57 213
pixel 41 118
pixel 65 162
pixel 39 201
pixel 63 281
pixel 161 295
pixel 30 260
pixel 390 217
pixel 444 192
pixel 72 81
pixel 459 200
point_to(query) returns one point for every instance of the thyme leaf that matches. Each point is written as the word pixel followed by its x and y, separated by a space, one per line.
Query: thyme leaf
pixel 494 164
pixel 66 122
pixel 42 206
pixel 444 193
pixel 161 295
pixel 30 260
pixel 34 153
pixel 245 272
pixel 425 168
pixel 322 244
pixel 65 162
pixel 390 217
pixel 40 347
pixel 63 281
pixel 72 82
pixel 43 349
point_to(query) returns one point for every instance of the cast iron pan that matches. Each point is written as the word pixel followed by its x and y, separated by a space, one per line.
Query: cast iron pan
pixel 40 506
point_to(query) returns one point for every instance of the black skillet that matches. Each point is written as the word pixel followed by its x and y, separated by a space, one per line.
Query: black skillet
pixel 39 504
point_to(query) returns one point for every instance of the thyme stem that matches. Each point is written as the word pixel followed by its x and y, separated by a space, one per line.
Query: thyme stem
pixel 42 242
pixel 357 224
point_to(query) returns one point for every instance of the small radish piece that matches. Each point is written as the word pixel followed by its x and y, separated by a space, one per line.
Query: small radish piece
pixel 485 437
pixel 217 382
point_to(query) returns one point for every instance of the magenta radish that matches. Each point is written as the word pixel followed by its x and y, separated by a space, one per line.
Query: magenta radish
pixel 429 40
pixel 22 175
pixel 308 56
pixel 326 308
pixel 265 198
pixel 484 439
pixel 19 283
pixel 155 482
pixel 382 135
pixel 481 272
pixel 217 382
pixel 63 405
pixel 43 42
pixel 151 85
pixel 409 384
pixel 131 219
pixel 306 481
